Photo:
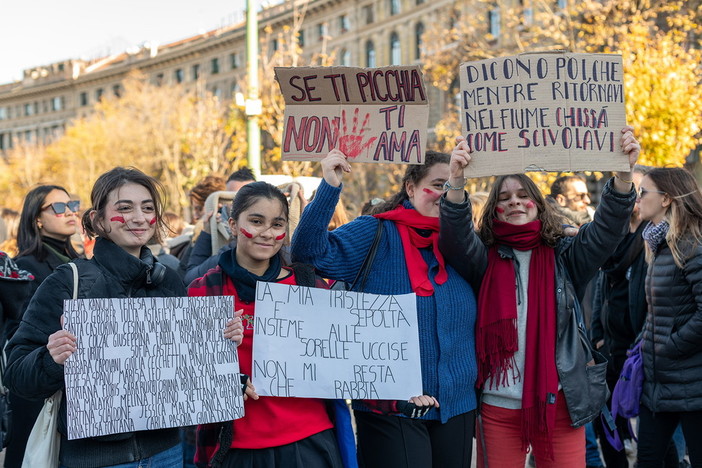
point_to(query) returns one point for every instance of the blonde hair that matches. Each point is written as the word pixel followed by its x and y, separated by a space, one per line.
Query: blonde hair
pixel 684 214
pixel 477 203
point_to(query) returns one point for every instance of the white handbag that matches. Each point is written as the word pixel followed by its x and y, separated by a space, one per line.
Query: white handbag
pixel 44 441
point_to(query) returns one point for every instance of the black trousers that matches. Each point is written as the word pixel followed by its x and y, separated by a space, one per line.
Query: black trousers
pixel 656 431
pixel 395 442
pixel 316 451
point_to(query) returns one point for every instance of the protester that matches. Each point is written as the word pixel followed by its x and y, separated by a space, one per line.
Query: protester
pixel 528 307
pixel 670 199
pixel 239 178
pixel 619 311
pixel 287 432
pixel 11 222
pixel 571 198
pixel 477 202
pixel 46 225
pixel 407 260
pixel 125 215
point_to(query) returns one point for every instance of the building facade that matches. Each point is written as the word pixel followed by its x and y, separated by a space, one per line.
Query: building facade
pixel 366 33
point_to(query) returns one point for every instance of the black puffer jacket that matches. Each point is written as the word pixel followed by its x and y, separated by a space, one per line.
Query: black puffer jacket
pixel 33 373
pixel 672 348
pixel 577 261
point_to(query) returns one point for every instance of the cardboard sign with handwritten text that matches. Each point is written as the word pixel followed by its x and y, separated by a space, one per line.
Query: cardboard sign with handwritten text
pixel 370 114
pixel 551 111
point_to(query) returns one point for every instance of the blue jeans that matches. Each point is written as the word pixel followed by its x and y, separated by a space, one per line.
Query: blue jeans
pixel 171 458
pixel 592 451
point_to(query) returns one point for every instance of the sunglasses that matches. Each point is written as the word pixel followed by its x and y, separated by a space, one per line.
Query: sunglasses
pixel 642 191
pixel 60 207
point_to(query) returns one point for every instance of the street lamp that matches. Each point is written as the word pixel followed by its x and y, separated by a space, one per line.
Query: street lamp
pixel 253 103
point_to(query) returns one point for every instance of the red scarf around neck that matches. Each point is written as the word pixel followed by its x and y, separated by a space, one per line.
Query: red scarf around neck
pixel 407 221
pixel 496 333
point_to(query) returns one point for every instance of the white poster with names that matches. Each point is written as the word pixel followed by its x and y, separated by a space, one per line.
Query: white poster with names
pixel 150 363
pixel 319 343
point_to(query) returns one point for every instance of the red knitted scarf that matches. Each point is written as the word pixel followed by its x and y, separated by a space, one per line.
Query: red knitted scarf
pixel 496 334
pixel 407 222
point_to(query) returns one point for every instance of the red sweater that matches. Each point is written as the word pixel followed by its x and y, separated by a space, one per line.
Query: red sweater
pixel 268 421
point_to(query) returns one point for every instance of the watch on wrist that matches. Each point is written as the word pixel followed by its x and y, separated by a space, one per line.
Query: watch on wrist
pixel 448 186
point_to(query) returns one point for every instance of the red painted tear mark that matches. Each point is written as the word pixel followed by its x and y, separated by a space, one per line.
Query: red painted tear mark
pixel 434 194
pixel 530 204
pixel 119 219
pixel 246 233
pixel 280 237
pixel 153 221
pixel 499 209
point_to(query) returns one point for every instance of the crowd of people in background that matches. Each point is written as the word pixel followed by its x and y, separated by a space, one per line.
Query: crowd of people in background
pixel 527 305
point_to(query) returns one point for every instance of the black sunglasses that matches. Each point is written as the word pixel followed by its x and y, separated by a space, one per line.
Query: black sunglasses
pixel 60 207
pixel 643 191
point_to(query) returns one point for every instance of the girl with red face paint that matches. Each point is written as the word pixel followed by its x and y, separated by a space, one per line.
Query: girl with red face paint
pixel 541 381
pixel 434 429
pixel 125 215
pixel 283 432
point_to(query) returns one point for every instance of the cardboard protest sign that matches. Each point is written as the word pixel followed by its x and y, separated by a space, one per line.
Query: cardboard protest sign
pixel 150 363
pixel 370 114
pixel 551 111
pixel 319 343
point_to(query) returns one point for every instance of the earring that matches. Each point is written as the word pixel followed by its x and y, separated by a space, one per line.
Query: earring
pixel 39 225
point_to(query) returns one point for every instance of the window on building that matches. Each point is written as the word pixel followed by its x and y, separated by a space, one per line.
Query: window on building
pixel 98 94
pixel 322 31
pixel 217 92
pixel 394 7
pixel 494 19
pixel 83 99
pixel 195 72
pixel 419 2
pixel 528 16
pixel 214 66
pixel 370 54
pixel 274 45
pixel 395 52
pixel 418 41
pixel 178 75
pixel 344 24
pixel 562 4
pixel 3 145
pixel 117 89
pixel 301 38
pixel 233 61
pixel 61 67
pixel 158 79
pixel 36 107
pixel 28 109
pixel 345 58
pixel 368 14
pixel 3 113
pixel 57 103
pixel 28 136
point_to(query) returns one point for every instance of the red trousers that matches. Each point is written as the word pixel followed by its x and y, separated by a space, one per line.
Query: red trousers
pixel 500 432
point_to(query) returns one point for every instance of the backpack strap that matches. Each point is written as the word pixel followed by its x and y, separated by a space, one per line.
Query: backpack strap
pixel 363 272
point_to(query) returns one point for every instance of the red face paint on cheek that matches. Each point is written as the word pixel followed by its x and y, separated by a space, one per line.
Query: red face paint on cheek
pixel 280 237
pixel 431 193
pixel 153 221
pixel 119 219
pixel 246 233
pixel 530 204
pixel 499 209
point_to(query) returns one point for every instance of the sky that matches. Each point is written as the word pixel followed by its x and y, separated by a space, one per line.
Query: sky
pixel 39 32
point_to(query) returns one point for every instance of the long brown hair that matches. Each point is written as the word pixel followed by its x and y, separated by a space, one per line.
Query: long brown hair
pixel 551 221
pixel 684 214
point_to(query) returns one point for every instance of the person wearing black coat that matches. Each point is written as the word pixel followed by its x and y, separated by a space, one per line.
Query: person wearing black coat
pixel 126 214
pixel 47 222
pixel 672 336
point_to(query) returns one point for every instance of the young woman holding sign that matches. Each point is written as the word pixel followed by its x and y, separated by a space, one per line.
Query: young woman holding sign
pixel 541 381
pixel 434 429
pixel 276 432
pixel 125 215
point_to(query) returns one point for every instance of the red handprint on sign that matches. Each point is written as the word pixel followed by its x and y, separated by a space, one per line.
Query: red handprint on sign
pixel 352 144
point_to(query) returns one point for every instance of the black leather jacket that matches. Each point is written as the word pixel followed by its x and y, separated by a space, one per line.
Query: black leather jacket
pixel 32 372
pixel 577 260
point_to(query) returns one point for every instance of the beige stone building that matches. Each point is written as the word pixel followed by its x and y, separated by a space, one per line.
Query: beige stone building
pixel 38 108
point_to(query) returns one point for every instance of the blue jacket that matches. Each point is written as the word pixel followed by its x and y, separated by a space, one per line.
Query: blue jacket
pixel 446 319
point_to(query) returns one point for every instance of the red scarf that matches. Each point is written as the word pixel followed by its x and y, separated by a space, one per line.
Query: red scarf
pixel 496 336
pixel 407 222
